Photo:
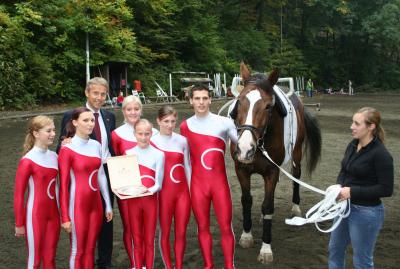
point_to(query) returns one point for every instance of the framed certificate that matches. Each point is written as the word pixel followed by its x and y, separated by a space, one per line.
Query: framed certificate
pixel 125 177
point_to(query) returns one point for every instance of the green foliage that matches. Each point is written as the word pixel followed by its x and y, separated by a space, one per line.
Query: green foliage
pixel 42 43
pixel 49 40
pixel 289 61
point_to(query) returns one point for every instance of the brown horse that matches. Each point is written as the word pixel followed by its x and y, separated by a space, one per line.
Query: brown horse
pixel 260 123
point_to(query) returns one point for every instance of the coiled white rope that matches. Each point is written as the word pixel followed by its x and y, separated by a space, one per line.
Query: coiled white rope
pixel 327 209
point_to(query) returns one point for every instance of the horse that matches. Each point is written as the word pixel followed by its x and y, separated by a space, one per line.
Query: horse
pixel 260 124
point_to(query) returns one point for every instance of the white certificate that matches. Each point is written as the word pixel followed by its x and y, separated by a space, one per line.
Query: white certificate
pixel 125 177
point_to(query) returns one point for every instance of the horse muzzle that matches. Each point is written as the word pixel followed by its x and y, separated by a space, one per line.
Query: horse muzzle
pixel 245 156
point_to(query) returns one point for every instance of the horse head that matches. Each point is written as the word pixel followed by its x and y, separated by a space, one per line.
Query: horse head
pixel 253 112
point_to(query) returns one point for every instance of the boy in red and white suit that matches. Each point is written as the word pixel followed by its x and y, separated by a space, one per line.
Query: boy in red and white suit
pixel 207 134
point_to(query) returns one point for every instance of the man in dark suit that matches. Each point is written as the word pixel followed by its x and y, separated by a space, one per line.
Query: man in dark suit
pixel 96 94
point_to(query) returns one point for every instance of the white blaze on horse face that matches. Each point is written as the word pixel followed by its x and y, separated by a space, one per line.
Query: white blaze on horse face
pixel 246 141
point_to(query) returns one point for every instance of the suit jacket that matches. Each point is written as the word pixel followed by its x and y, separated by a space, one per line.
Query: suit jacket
pixel 109 122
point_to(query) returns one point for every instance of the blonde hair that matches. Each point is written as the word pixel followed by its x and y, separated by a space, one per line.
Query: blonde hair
pixel 34 125
pixel 144 122
pixel 373 116
pixel 131 98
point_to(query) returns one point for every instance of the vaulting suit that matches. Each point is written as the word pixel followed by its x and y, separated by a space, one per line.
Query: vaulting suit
pixel 207 138
pixel 38 171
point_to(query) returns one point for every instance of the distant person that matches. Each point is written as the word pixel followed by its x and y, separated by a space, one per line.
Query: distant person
pixel 96 93
pixel 174 198
pixel 120 99
pixel 328 91
pixel 309 88
pixel 366 176
pixel 143 210
pixel 351 90
pixel 82 178
pixel 207 136
pixel 38 219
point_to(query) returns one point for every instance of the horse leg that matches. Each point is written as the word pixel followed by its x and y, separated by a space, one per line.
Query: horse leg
pixel 266 256
pixel 296 172
pixel 246 239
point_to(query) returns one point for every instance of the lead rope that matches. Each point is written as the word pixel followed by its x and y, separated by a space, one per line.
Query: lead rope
pixel 327 209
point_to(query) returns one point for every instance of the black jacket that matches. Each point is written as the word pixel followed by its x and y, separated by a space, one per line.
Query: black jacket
pixel 109 123
pixel 368 173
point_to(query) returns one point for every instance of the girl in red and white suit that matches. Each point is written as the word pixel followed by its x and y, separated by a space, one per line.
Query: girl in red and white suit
pixel 123 138
pixel 39 219
pixel 81 177
pixel 174 198
pixel 143 210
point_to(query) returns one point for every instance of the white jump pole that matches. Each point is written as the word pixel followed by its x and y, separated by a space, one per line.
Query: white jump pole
pixel 225 89
pixel 170 84
pixel 87 58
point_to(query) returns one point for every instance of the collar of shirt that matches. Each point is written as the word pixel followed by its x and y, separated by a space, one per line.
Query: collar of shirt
pixel 91 109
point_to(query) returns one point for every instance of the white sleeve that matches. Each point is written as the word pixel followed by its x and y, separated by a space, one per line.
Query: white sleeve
pixel 102 179
pixel 232 132
pixel 186 162
pixel 159 174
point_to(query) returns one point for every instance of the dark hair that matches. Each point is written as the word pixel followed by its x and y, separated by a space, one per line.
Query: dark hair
pixel 70 128
pixel 166 110
pixel 199 87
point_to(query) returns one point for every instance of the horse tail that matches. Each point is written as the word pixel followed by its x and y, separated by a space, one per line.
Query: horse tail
pixel 313 141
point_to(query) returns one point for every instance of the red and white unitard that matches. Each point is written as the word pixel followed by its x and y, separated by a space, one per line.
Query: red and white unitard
pixel 81 177
pixel 123 138
pixel 174 198
pixel 38 170
pixel 143 210
pixel 207 142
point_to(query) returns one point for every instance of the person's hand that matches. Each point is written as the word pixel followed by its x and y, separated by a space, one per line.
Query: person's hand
pixel 67 226
pixel 109 216
pixel 344 194
pixel 66 141
pixel 20 231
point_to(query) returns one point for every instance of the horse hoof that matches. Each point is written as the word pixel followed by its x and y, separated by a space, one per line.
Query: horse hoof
pixel 296 211
pixel 265 256
pixel 246 240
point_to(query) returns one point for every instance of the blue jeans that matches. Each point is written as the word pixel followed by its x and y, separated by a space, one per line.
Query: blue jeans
pixel 361 229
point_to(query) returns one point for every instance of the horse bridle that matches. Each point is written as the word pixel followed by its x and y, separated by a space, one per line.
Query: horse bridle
pixel 263 130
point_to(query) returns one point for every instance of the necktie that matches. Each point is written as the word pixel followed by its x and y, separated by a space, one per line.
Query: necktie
pixel 96 129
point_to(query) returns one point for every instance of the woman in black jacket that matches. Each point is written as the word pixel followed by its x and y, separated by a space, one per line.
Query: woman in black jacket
pixel 366 175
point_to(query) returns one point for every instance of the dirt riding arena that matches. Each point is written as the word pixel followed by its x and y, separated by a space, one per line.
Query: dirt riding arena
pixel 293 247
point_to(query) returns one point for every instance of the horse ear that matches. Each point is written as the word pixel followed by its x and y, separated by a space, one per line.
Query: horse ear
pixel 244 71
pixel 273 76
